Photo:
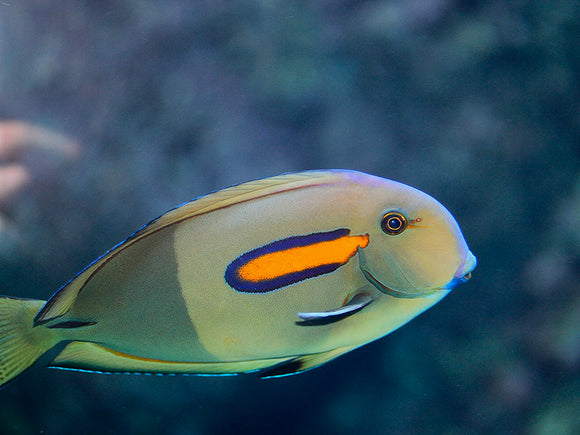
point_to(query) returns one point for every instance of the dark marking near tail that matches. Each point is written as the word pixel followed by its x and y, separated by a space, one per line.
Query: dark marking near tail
pixel 284 369
pixel 71 324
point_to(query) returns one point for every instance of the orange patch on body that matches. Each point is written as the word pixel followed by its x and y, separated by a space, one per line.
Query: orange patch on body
pixel 275 264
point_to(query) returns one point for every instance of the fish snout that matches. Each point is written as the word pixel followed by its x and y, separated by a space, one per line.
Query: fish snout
pixel 463 273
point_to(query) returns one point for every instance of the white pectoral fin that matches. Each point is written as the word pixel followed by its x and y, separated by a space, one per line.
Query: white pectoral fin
pixel 357 303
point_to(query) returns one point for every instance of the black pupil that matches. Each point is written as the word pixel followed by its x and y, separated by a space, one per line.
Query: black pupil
pixel 394 223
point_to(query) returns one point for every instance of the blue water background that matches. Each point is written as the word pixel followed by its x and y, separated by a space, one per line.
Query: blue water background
pixel 473 102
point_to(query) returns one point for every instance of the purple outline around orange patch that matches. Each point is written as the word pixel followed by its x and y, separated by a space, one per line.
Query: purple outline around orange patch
pixel 288 261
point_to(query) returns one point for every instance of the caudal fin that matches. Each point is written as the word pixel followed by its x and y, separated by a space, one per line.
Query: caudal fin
pixel 21 344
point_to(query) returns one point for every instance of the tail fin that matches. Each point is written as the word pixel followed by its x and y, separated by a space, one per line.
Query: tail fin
pixel 21 344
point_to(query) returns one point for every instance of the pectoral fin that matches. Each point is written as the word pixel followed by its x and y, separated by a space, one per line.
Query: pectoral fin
pixel 357 303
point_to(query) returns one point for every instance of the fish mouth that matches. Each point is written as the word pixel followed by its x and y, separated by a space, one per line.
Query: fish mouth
pixel 463 273
pixel 387 290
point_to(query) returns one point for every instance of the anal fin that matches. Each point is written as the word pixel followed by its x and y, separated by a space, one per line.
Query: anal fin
pixel 86 356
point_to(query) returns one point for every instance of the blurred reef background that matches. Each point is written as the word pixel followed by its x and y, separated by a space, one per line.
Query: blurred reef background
pixel 113 112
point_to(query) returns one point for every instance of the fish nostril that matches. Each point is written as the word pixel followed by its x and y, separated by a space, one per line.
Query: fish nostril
pixel 467 276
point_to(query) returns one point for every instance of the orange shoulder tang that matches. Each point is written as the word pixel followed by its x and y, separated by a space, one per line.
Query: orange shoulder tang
pixel 288 261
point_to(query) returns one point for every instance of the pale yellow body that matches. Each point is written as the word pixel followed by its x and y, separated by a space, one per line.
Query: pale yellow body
pixel 159 301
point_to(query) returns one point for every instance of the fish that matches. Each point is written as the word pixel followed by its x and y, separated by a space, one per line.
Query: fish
pixel 276 276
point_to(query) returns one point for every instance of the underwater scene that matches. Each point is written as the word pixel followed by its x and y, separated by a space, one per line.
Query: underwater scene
pixel 232 207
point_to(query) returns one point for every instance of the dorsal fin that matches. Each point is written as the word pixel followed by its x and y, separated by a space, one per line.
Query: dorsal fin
pixel 237 194
pixel 63 299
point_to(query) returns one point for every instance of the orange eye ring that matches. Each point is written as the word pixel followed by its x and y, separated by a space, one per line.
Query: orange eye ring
pixel 393 223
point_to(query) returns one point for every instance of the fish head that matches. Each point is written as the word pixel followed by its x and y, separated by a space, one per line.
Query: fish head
pixel 416 247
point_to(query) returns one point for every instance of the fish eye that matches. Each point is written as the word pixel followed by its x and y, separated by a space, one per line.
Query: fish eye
pixel 393 223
